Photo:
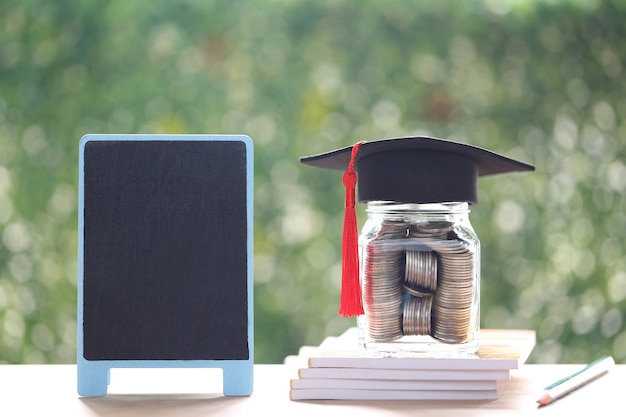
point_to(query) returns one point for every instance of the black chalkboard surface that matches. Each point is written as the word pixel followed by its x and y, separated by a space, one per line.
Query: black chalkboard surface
pixel 165 255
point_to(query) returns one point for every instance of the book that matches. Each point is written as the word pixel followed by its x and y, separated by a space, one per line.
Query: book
pixel 499 350
pixel 405 374
pixel 357 394
pixel 337 369
pixel 378 384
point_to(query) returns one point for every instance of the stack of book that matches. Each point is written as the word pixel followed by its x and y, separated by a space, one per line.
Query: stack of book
pixel 337 370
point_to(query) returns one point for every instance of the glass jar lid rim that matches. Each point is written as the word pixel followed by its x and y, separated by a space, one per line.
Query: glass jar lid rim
pixel 445 207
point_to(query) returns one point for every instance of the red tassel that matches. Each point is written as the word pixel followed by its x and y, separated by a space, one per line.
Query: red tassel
pixel 351 303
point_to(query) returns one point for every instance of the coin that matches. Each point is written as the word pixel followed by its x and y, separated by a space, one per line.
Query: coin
pixel 419 279
pixel 420 271
pixel 381 282
pixel 416 316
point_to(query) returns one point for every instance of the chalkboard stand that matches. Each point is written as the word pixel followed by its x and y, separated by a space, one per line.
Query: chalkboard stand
pixel 165 258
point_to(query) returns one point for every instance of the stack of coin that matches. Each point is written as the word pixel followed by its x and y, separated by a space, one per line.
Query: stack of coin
pixel 420 276
pixel 454 299
pixel 382 276
pixel 419 285
pixel 416 317
pixel 420 273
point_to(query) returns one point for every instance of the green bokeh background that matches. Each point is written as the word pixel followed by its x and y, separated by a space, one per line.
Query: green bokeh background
pixel 542 81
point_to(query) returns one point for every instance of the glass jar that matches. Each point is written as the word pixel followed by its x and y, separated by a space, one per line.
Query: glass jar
pixel 420 280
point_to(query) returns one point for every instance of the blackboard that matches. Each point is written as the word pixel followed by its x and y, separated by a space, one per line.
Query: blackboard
pixel 165 254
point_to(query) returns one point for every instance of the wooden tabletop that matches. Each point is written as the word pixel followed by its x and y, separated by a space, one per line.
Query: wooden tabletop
pixel 36 390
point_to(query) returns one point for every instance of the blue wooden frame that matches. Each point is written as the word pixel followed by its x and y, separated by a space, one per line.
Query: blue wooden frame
pixel 93 376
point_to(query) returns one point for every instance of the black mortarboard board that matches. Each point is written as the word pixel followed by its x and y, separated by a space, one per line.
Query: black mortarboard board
pixel 418 169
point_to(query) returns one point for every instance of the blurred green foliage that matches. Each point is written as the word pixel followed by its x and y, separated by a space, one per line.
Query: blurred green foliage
pixel 542 81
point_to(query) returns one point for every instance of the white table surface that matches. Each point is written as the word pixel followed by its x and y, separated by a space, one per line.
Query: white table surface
pixel 43 390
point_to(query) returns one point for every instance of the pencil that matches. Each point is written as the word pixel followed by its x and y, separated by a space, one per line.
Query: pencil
pixel 576 380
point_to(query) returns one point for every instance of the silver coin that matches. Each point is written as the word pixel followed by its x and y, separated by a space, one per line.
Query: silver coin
pixel 433 229
pixel 419 279
pixel 416 316
pixel 414 292
pixel 420 271
pixel 381 281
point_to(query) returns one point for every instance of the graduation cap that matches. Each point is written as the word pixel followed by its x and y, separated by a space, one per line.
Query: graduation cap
pixel 409 170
